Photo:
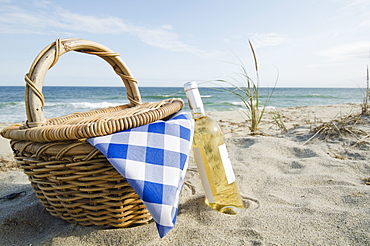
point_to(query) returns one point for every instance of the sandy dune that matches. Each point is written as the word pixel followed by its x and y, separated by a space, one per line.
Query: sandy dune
pixel 296 192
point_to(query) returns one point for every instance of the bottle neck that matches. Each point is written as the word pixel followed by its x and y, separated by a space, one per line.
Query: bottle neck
pixel 194 100
pixel 198 113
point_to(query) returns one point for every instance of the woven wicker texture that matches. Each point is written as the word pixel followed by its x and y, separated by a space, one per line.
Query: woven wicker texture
pixel 72 179
pixel 75 182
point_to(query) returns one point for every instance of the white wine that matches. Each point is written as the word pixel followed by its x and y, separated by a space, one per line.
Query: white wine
pixel 218 180
pixel 211 156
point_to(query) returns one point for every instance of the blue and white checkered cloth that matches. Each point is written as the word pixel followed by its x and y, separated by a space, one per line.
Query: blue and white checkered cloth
pixel 153 159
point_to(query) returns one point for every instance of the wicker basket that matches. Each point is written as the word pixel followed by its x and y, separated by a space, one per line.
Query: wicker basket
pixel 72 179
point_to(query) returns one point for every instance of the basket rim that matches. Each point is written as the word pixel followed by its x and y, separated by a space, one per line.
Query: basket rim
pixel 95 123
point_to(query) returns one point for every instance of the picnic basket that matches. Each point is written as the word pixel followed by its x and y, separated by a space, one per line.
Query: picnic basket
pixel 72 179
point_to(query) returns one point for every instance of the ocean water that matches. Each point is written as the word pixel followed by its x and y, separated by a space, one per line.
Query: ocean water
pixel 65 100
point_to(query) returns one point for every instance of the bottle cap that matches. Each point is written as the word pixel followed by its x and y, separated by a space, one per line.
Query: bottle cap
pixel 190 85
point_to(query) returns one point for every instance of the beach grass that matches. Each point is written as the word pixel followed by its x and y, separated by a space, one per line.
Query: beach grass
pixel 342 127
pixel 277 119
pixel 248 91
pixel 366 98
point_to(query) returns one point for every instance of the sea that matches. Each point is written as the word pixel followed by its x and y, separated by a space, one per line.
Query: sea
pixel 61 101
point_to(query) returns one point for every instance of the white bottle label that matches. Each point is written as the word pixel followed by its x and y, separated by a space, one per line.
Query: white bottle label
pixel 203 174
pixel 227 163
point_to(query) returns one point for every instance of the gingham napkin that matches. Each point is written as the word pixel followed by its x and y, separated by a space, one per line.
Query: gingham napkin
pixel 153 159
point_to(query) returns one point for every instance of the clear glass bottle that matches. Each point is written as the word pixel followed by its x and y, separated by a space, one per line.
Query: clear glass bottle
pixel 211 157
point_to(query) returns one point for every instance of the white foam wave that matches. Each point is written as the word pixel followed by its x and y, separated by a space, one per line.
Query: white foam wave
pixel 239 103
pixel 83 105
pixel 89 105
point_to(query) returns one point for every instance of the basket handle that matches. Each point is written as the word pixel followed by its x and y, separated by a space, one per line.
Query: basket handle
pixel 47 58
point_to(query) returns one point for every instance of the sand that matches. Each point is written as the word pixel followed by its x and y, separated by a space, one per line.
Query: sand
pixel 296 192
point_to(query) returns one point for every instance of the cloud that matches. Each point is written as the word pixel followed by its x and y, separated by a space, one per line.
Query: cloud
pixel 260 40
pixel 365 23
pixel 17 20
pixel 167 27
pixel 67 20
pixel 355 5
pixel 348 51
pixel 234 37
pixel 358 9
pixel 46 18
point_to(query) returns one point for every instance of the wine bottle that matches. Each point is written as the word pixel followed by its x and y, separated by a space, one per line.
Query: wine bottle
pixel 211 157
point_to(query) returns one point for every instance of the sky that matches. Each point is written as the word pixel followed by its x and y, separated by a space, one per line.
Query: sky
pixel 298 43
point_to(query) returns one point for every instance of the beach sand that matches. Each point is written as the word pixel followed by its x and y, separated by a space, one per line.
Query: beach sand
pixel 296 192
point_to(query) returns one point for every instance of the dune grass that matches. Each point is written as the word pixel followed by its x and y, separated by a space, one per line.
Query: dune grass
pixel 366 98
pixel 248 91
pixel 340 127
pixel 277 119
